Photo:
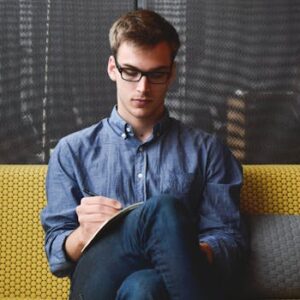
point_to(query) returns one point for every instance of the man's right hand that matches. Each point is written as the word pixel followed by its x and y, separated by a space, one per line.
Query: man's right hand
pixel 92 213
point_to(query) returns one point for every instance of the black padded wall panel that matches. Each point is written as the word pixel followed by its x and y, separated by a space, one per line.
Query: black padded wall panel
pixel 53 58
pixel 239 73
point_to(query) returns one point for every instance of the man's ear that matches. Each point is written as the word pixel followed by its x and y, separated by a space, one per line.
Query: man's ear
pixel 111 68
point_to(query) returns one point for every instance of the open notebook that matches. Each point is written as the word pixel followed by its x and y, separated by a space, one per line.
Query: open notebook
pixel 111 221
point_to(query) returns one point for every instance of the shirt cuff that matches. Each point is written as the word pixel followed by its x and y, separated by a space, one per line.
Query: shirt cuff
pixel 60 264
pixel 221 253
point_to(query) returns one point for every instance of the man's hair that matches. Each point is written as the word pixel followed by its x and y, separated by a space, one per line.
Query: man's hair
pixel 143 28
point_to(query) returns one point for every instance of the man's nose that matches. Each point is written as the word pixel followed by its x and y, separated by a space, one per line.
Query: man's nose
pixel 143 84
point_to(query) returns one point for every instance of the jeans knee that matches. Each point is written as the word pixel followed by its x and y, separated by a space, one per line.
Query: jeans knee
pixel 167 206
pixel 162 217
pixel 164 202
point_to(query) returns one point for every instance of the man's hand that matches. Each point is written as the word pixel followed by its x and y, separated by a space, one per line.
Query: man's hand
pixel 92 213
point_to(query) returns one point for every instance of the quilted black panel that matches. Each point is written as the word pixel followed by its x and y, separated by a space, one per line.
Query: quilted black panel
pixel 274 268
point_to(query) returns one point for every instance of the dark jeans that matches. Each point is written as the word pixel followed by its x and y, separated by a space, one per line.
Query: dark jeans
pixel 153 253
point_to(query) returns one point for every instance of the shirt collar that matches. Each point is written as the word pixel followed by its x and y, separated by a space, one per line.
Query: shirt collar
pixel 125 130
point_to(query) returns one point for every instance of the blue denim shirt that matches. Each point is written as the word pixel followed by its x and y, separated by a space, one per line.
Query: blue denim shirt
pixel 107 159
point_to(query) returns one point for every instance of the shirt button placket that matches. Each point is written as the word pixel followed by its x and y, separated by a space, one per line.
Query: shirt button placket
pixel 140 166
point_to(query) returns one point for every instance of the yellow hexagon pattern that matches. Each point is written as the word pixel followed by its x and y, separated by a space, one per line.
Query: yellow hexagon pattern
pixel 24 271
pixel 271 189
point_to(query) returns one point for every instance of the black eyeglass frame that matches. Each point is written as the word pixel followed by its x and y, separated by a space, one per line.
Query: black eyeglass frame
pixel 142 73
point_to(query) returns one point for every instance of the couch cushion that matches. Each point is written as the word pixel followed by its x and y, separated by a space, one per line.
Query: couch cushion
pixel 24 272
pixel 274 266
pixel 271 189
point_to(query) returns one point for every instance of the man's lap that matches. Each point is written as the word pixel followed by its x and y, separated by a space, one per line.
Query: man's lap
pixel 124 250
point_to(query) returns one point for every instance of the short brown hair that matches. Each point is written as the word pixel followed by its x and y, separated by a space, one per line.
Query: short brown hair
pixel 143 28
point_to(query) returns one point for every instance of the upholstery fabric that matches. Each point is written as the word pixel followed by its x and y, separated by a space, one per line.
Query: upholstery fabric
pixel 271 189
pixel 270 198
pixel 271 201
pixel 24 271
pixel 274 267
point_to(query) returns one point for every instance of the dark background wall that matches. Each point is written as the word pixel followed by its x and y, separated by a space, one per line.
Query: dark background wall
pixel 238 73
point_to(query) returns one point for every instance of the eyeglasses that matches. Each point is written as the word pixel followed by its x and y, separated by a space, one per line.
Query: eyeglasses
pixel 135 75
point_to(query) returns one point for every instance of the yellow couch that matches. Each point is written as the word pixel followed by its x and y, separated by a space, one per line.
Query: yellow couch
pixel 24 273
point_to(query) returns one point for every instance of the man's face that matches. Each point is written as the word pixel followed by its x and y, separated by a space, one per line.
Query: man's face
pixel 141 102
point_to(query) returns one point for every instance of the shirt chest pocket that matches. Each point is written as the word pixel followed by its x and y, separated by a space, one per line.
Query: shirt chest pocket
pixel 95 181
pixel 178 184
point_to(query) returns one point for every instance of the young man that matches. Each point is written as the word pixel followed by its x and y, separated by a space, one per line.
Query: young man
pixel 186 238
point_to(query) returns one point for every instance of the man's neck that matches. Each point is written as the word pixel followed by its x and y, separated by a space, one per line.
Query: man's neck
pixel 142 128
pixel 143 132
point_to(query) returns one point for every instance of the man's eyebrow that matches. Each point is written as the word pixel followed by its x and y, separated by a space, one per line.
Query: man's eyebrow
pixel 156 69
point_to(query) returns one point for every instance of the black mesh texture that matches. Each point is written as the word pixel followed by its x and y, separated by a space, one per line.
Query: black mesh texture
pixel 238 73
pixel 22 64
pixel 53 81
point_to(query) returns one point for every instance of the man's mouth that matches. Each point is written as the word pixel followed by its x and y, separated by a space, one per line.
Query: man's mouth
pixel 141 101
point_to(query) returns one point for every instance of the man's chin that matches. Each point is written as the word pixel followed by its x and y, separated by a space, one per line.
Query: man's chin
pixel 147 114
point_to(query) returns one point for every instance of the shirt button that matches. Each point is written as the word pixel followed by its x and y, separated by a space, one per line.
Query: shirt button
pixel 140 175
pixel 123 136
pixel 141 149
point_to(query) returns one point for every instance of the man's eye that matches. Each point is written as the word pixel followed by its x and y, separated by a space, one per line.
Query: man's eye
pixel 156 75
pixel 131 72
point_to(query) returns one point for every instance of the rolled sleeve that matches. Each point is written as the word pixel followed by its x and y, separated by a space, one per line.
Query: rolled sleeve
pixel 59 217
pixel 220 223
pixel 59 263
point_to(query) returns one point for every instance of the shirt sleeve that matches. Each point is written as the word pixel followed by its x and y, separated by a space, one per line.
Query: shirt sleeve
pixel 59 217
pixel 220 223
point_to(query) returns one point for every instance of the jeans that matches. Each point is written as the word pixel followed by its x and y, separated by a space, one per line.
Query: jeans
pixel 153 253
pixel 145 284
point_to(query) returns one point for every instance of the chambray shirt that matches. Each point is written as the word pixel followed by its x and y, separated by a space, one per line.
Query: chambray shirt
pixel 107 159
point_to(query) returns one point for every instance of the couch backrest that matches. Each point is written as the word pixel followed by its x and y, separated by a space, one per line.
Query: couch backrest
pixel 273 191
pixel 271 202
pixel 24 272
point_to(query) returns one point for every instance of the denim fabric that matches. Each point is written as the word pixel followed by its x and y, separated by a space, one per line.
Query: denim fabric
pixel 146 284
pixel 107 159
pixel 157 234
